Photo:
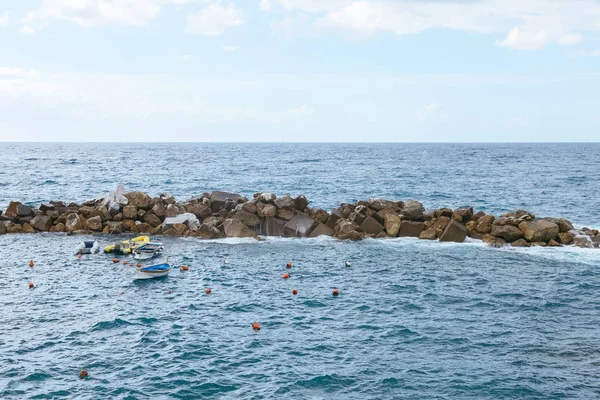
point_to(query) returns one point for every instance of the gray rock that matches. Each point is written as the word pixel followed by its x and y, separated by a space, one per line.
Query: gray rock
pixel 138 199
pixel 236 228
pixel 539 230
pixel 454 232
pixel 507 232
pixel 217 199
pixel 24 211
pixel 411 229
pixel 285 202
pixel 299 226
pixel 321 230
pixel 334 217
pixel 271 226
pixel 42 223
pixel 301 203
pixel 94 224
pixel 266 197
pixel 129 212
pixel 371 226
pixel 248 219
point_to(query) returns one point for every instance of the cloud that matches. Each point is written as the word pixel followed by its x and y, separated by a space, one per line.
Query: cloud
pixel 214 19
pixel 302 111
pixel 186 57
pixel 526 24
pixel 430 111
pixel 27 30
pixel 17 73
pixel 264 5
pixel 230 49
pixel 4 19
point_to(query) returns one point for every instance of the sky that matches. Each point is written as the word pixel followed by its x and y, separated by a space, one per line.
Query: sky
pixel 300 70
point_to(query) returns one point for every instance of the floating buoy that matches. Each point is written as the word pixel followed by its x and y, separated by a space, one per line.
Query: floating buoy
pixel 31 285
pixel 170 292
pixel 139 265
pixel 124 262
pixel 115 260
pixel 285 276
pixel 225 262
pixel 348 263
pixel 31 264
pixel 78 255
pixel 335 292
pixel 294 291
pixel 288 265
pixel 83 374
pixel 256 326
pixel 131 264
pixel 207 291
pixel 121 294
pixel 184 268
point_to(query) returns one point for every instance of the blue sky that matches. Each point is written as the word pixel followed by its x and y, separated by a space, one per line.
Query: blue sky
pixel 300 70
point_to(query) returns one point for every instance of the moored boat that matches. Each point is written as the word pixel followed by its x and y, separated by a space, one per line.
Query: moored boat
pixel 127 246
pixel 153 271
pixel 147 251
pixel 87 247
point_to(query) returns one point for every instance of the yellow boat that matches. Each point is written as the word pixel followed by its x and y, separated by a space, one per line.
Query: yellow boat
pixel 127 246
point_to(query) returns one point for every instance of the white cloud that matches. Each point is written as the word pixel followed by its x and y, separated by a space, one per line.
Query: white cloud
pixel 17 73
pixel 302 111
pixel 214 19
pixel 526 24
pixel 430 111
pixel 186 57
pixel 230 49
pixel 27 30
pixel 264 5
pixel 4 19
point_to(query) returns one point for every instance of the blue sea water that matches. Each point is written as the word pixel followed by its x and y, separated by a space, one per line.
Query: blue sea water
pixel 414 319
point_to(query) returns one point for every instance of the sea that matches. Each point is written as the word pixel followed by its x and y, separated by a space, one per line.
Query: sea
pixel 413 319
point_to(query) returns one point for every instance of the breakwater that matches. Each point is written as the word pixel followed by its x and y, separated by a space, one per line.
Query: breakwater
pixel 223 214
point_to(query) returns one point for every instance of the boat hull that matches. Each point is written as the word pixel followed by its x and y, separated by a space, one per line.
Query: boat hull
pixel 145 256
pixel 153 271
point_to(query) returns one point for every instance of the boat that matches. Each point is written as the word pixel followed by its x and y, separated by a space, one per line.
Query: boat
pixel 153 271
pixel 127 246
pixel 87 247
pixel 147 251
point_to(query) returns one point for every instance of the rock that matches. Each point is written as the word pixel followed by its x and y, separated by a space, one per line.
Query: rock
pixel 73 223
pixel 11 211
pixel 11 227
pixel 429 215
pixel 24 211
pixel 142 227
pixel 565 237
pixel 43 207
pixel 236 228
pixel 539 230
pixel 554 243
pixel 578 241
pixel 382 235
pixel 42 223
pixel 301 203
pixel 484 224
pixel 152 219
pixel 285 202
pixel 380 204
pixel 171 211
pixel 140 213
pixel 217 199
pixel 520 243
pixel 94 224
pixel 60 227
pixel 138 200
pixel 24 220
pixel 428 234
pixel 333 218
pixel 411 229
pixel 128 224
pixel 299 226
pixel 266 210
pixel 356 217
pixel 371 226
pixel 464 213
pixel 266 197
pixel 102 212
pixel 564 225
pixel 321 230
pixel 27 228
pixel 2 228
pixel 285 214
pixel 230 204
pixel 271 226
pixel 392 223
pixel 439 224
pixel 114 228
pixel 160 210
pixel 248 219
pixel 445 212
pixel 207 232
pixel 321 216
pixel 524 215
pixel 412 213
pixel 352 235
pixel 507 232
pixel 129 212
pixel 454 232
pixel 471 226
pixel 250 207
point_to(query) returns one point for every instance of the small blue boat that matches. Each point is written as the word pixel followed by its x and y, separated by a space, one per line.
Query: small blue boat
pixel 153 271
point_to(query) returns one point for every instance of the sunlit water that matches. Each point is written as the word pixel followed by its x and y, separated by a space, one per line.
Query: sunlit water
pixel 414 319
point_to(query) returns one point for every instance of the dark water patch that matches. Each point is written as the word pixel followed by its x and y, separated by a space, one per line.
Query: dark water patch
pixel 109 325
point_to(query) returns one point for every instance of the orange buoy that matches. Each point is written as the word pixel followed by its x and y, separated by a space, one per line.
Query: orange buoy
pixel 335 292
pixel 207 291
pixel 83 374
pixel 139 265
pixel 294 291
pixel 285 276
pixel 256 326
pixel 31 285
pixel 78 255
pixel 115 260
pixel 184 268
pixel 31 264
pixel 124 262
pixel 288 265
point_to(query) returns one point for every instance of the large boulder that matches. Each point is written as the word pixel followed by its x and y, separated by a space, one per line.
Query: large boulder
pixel 236 228
pixel 265 197
pixel 218 199
pixel 484 224
pixel 73 223
pixel 129 212
pixel 539 230
pixel 321 216
pixel 285 202
pixel 160 210
pixel 392 223
pixel 2 228
pixel 565 237
pixel 299 226
pixel 428 234
pixel 27 228
pixel 152 219
pixel 11 227
pixel 439 224
pixel 138 200
pixel 321 230
pixel 507 232
pixel 564 225
pixel 334 217
pixel 249 206
pixel 380 204
pixel 142 227
pixel 454 232
pixel 371 226
pixel 11 211
pixel 94 224
pixel 463 214
pixel 24 210
pixel 301 202
pixel 352 235
pixel 520 243
pixel 60 227
pixel 247 218
pixel 266 210
pixel 411 229
pixel 412 213
pixel 285 214
pixel 493 241
pixel 172 211
pixel 41 223
pixel 271 226
pixel 114 228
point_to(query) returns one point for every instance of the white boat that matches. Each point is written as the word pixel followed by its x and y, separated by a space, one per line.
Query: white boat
pixel 153 271
pixel 147 251
pixel 87 247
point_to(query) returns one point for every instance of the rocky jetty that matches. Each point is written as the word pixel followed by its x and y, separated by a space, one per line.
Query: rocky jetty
pixel 222 214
